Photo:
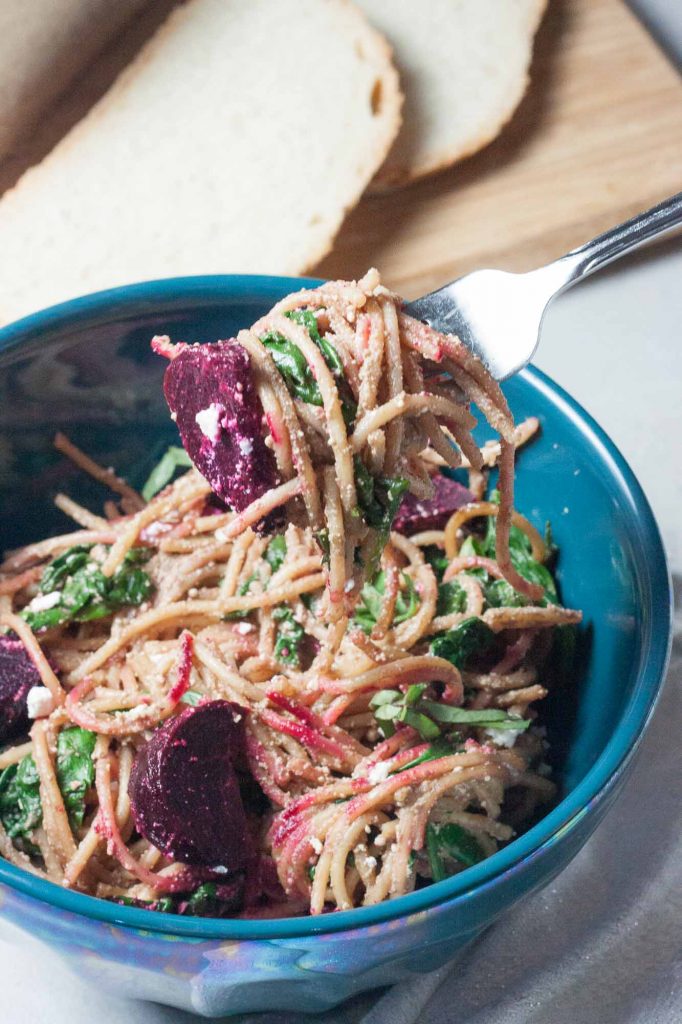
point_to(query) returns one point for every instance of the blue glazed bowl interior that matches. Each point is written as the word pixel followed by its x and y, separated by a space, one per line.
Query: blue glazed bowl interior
pixel 86 367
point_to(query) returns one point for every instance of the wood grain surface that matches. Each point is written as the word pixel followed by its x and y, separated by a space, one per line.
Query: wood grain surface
pixel 597 138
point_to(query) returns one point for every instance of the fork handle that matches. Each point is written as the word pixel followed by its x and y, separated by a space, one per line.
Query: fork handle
pixel 620 240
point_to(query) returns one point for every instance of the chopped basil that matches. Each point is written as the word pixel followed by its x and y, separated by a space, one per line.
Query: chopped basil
pixel 85 593
pixel 428 717
pixel 483 717
pixel 163 472
pixel 75 770
pixel 441 747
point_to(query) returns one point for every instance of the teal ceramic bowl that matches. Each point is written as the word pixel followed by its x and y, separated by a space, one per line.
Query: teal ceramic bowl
pixel 86 366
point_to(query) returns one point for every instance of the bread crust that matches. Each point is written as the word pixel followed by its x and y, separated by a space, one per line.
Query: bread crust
pixel 392 175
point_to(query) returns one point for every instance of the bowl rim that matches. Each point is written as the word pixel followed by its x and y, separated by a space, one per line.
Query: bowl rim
pixel 562 819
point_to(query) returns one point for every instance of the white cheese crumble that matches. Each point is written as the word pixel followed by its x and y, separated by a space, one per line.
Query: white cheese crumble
pixel 316 844
pixel 134 714
pixel 42 602
pixel 379 772
pixel 349 584
pixel 244 628
pixel 245 445
pixel 39 702
pixel 208 421
pixel 503 737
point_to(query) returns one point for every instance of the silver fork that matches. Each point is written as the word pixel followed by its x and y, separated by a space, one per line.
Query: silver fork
pixel 498 315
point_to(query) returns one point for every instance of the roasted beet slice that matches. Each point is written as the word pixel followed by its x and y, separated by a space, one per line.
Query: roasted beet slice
pixel 184 790
pixel 415 515
pixel 18 675
pixel 213 400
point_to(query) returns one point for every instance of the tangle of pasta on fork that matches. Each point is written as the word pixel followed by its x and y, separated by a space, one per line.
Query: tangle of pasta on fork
pixel 301 675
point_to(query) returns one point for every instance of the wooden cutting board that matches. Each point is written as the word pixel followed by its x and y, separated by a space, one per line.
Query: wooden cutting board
pixel 597 138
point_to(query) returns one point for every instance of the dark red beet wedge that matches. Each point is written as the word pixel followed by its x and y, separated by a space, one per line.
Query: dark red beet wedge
pixel 18 675
pixel 211 394
pixel 415 515
pixel 184 790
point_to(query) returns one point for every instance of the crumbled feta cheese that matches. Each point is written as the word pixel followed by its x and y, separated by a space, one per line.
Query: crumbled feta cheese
pixel 316 844
pixel 379 772
pixel 244 628
pixel 39 702
pixel 349 584
pixel 141 711
pixel 371 862
pixel 208 420
pixel 503 737
pixel 42 602
pixel 220 869
pixel 245 445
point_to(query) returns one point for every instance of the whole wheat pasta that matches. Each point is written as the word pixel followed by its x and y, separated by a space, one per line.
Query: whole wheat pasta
pixel 385 686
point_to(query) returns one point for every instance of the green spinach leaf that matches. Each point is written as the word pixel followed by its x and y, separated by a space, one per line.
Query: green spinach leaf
pixel 450 842
pixel 470 637
pixel 163 472
pixel 289 636
pixel 85 593
pixel 276 552
pixel 306 318
pixel 452 598
pixel 293 367
pixel 75 770
pixel 378 500
pixel 20 807
pixel 371 600
pixel 437 559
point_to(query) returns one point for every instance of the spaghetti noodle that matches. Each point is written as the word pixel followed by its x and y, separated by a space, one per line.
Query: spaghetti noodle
pixel 382 683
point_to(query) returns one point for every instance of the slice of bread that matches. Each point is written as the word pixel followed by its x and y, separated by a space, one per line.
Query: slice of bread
pixel 39 57
pixel 234 142
pixel 463 68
